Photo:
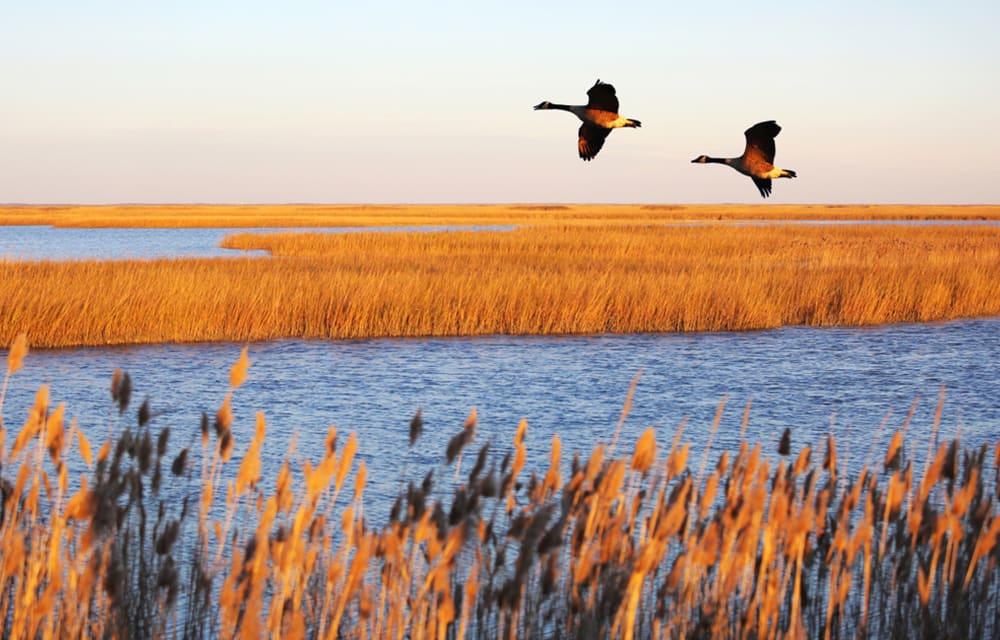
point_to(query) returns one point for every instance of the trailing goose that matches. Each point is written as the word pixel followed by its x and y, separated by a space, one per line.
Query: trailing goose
pixel 599 116
pixel 758 157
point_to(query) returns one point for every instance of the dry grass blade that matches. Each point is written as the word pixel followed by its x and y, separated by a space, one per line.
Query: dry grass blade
pixel 626 409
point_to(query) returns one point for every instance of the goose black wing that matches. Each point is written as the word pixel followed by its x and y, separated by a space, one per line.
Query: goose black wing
pixel 760 140
pixel 763 185
pixel 602 96
pixel 591 140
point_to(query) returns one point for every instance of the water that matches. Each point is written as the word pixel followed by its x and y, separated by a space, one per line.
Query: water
pixel 843 381
pixel 56 243
pixel 814 381
pixel 51 243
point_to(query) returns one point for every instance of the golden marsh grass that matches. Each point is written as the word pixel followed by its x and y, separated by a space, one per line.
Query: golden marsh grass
pixel 532 280
pixel 306 215
pixel 625 542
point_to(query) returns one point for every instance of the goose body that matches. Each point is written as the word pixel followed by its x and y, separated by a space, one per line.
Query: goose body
pixel 757 160
pixel 599 117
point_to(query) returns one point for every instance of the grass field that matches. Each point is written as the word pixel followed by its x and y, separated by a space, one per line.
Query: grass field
pixel 532 280
pixel 645 539
pixel 421 215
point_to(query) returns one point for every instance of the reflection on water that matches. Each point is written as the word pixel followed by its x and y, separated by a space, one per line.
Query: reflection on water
pixel 814 381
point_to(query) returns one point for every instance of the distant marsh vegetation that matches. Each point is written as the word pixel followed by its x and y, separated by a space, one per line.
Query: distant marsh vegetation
pixel 319 215
pixel 568 279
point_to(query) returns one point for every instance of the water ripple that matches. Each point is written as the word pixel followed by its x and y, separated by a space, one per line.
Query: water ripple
pixel 815 381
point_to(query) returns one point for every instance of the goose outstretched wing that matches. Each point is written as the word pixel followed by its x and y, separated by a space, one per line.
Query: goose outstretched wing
pixel 591 140
pixel 602 96
pixel 763 185
pixel 760 140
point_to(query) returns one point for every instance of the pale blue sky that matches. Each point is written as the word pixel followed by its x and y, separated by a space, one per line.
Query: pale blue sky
pixel 415 102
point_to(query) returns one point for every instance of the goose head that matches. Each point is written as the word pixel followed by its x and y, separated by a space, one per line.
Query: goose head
pixel 543 105
pixel 702 159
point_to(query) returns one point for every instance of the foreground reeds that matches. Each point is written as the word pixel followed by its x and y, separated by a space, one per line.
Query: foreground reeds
pixel 306 215
pixel 629 541
pixel 541 280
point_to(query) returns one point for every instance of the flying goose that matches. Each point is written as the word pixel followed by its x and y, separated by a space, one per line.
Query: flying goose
pixel 599 116
pixel 757 158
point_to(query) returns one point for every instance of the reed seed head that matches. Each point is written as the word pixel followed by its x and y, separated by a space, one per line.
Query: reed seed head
pixel 238 372
pixel 180 463
pixel 144 413
pixel 161 442
pixel 457 443
pixel 18 350
pixel 416 426
pixel 122 391
pixel 785 444
pixel 145 453
pixel 167 538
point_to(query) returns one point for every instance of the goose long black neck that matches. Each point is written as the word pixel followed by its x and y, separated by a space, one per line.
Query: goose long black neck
pixel 553 105
pixel 703 159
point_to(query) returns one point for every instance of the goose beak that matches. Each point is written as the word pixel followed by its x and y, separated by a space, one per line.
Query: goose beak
pixel 540 105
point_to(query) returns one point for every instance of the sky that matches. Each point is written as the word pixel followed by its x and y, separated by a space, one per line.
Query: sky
pixel 431 102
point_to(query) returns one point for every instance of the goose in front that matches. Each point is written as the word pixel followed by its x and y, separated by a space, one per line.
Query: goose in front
pixel 758 157
pixel 599 116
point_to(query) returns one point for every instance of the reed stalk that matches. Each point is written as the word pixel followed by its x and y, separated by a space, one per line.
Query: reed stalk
pixel 529 281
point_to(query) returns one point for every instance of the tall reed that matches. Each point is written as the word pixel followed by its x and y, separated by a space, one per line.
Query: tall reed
pixel 627 541
pixel 539 280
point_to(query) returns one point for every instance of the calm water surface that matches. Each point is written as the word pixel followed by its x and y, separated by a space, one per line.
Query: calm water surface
pixel 844 381
pixel 51 243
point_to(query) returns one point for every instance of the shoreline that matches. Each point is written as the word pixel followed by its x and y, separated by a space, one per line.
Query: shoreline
pixel 320 215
